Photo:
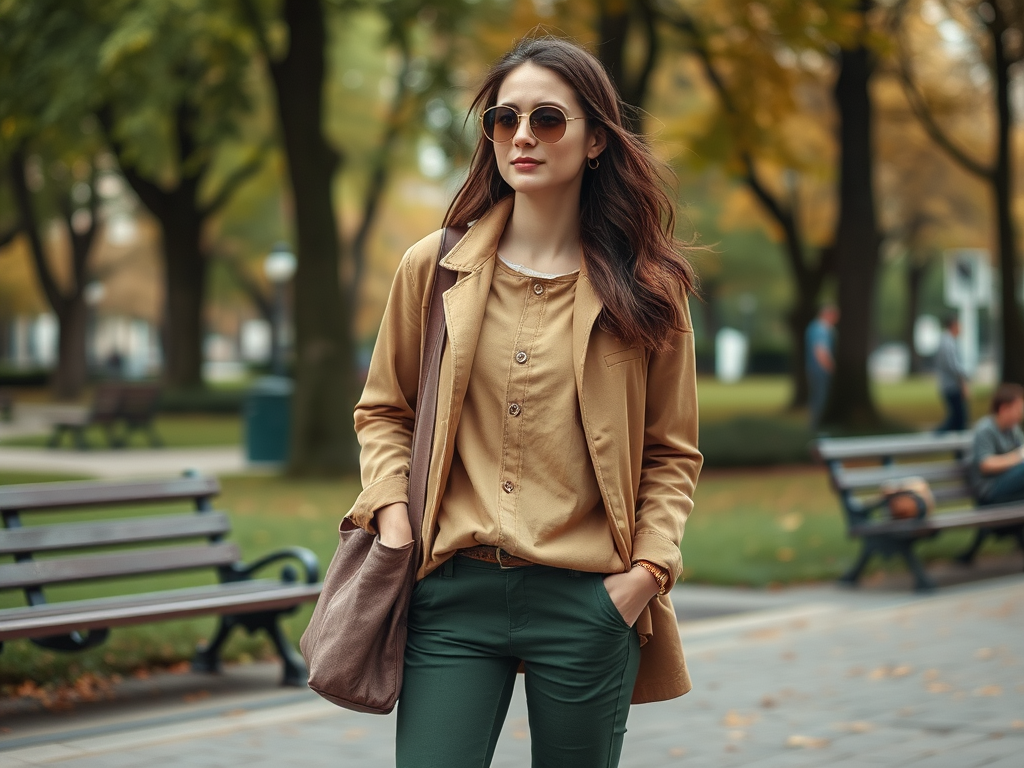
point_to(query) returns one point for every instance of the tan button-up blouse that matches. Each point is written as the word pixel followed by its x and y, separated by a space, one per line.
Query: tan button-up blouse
pixel 521 476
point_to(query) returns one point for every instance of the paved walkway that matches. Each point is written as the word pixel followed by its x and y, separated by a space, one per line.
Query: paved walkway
pixel 136 462
pixel 823 677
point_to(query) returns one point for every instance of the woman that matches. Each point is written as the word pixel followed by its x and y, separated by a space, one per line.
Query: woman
pixel 565 444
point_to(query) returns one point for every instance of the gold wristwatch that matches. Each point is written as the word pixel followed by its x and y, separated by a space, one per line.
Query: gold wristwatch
pixel 659 573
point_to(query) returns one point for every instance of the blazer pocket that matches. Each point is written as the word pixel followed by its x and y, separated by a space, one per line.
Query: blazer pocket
pixel 623 356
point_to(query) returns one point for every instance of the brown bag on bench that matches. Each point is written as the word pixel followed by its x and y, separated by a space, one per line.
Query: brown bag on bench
pixel 909 498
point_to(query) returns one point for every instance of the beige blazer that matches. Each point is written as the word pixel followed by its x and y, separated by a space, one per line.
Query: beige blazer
pixel 639 412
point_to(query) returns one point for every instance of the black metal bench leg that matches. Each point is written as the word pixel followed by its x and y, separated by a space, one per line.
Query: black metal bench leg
pixel 967 556
pixel 294 667
pixel 852 576
pixel 207 658
pixel 922 581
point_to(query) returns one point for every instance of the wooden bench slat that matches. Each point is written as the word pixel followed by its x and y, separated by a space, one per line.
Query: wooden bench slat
pixel 844 448
pixel 268 599
pixel 49 538
pixel 987 517
pixel 239 588
pixel 46 496
pixel 865 477
pixel 68 569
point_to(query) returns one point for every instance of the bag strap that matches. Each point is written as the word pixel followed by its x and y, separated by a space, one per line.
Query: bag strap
pixel 426 400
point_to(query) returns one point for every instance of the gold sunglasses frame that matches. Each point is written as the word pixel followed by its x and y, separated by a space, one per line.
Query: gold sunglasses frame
pixel 527 115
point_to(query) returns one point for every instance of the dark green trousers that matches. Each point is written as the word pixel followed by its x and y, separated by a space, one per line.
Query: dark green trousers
pixel 471 623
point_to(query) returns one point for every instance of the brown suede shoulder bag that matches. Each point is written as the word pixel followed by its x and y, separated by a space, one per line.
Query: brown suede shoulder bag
pixel 355 642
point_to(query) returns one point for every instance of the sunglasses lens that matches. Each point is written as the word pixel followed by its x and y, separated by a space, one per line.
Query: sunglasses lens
pixel 500 124
pixel 547 124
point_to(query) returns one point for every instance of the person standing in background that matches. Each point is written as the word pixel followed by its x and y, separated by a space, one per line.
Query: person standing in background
pixel 819 342
pixel 953 379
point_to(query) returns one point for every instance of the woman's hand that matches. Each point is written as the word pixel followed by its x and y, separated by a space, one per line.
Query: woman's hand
pixel 631 591
pixel 393 525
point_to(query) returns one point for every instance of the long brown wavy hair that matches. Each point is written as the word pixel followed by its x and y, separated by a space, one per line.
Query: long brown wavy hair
pixel 627 221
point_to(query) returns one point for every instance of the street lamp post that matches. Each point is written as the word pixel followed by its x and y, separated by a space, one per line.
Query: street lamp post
pixel 279 267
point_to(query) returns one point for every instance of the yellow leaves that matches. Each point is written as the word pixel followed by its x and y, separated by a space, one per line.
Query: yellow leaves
pixel 791 522
pixel 797 741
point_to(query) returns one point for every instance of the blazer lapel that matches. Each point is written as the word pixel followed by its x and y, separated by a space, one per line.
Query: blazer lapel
pixel 465 302
pixel 585 311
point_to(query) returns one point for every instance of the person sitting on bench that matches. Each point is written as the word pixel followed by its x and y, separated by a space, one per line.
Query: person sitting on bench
pixel 996 473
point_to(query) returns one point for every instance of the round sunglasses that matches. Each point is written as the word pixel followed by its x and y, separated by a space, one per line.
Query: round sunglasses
pixel 547 123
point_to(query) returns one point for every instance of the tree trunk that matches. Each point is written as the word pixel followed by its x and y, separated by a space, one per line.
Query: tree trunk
pixel 185 291
pixel 325 383
pixel 857 241
pixel 915 277
pixel 72 367
pixel 1011 321
pixel 615 21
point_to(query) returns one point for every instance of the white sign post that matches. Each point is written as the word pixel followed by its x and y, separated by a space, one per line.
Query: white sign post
pixel 968 287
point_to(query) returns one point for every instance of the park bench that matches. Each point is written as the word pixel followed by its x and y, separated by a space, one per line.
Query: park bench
pixel 131 406
pixel 860 466
pixel 35 557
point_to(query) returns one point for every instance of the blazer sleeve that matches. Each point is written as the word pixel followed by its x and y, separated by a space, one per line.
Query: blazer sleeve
pixel 385 412
pixel 671 460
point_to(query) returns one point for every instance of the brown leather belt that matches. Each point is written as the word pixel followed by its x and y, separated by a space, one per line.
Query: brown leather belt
pixel 497 555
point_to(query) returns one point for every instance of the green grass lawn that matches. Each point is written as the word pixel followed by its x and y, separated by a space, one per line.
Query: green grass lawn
pixel 176 431
pixel 753 528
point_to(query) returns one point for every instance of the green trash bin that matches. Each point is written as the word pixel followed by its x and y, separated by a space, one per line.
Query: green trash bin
pixel 268 406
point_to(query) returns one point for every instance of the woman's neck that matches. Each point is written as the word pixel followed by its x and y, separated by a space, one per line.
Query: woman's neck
pixel 543 235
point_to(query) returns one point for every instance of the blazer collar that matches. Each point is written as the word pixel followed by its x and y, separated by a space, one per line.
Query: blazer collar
pixel 480 243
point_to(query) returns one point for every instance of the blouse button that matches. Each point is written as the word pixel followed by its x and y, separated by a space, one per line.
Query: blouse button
pixel 521 357
pixel 538 288
pixel 507 486
pixel 515 409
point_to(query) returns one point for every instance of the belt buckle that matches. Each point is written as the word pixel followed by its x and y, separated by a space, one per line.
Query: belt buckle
pixel 497 556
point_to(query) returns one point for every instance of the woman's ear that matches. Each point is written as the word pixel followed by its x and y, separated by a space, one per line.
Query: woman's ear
pixel 598 142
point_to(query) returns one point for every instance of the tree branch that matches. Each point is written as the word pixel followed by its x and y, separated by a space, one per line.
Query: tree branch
pixel 919 106
pixel 235 179
pixel 262 302
pixel 381 167
pixel 252 15
pixel 30 225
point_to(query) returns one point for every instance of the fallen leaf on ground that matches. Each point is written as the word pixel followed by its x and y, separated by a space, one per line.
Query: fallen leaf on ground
pixel 857 726
pixel 768 702
pixel 983 653
pixel 989 690
pixel 939 687
pixel 1017 725
pixel 931 674
pixel 734 719
pixel 677 752
pixel 791 522
pixel 197 696
pixel 806 742
pixel 737 735
pixel 901 671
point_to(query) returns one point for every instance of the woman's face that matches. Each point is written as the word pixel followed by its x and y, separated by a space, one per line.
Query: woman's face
pixel 529 165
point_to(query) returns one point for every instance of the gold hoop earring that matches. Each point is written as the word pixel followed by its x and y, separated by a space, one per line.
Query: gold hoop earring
pixel 592 163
